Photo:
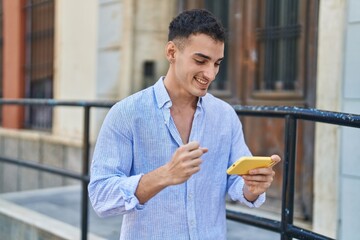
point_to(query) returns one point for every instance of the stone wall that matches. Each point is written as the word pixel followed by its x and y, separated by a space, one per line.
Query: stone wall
pixel 41 148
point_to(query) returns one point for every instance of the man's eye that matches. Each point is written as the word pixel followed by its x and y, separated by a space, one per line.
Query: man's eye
pixel 199 61
pixel 217 63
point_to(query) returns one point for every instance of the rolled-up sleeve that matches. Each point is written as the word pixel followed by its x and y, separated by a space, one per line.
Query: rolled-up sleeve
pixel 111 188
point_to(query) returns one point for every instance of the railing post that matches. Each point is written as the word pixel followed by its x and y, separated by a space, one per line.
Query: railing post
pixel 85 172
pixel 287 206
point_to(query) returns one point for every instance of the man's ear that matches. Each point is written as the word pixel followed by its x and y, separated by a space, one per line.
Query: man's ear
pixel 170 51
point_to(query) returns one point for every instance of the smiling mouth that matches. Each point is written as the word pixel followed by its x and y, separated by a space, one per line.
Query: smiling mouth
pixel 201 81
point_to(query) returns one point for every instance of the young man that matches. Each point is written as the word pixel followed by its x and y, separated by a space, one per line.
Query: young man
pixel 162 153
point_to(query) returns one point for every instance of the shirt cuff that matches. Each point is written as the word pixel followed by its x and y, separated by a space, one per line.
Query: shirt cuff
pixel 257 203
pixel 130 199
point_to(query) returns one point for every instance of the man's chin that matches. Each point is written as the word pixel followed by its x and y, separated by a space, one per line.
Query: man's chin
pixel 202 93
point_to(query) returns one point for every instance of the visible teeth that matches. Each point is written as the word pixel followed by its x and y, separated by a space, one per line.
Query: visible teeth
pixel 201 81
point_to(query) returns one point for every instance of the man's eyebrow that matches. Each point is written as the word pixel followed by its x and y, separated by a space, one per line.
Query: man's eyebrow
pixel 206 56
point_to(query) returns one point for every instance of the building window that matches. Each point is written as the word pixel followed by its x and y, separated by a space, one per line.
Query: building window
pixel 278 36
pixel 220 9
pixel 39 61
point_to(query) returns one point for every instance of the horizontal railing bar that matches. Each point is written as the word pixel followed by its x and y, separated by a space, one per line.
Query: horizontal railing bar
pixel 52 102
pixel 273 225
pixel 44 168
pixel 312 114
pixel 316 115
pixel 301 233
pixel 265 223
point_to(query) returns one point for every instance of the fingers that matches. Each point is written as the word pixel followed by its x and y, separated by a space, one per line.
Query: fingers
pixel 276 158
pixel 193 146
pixel 266 171
pixel 205 150
pixel 260 179
pixel 185 162
pixel 193 150
pixel 193 153
pixel 258 184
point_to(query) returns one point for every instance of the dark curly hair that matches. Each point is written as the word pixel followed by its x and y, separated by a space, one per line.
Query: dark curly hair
pixel 196 21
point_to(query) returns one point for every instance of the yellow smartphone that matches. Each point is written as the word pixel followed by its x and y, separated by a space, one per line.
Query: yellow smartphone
pixel 245 164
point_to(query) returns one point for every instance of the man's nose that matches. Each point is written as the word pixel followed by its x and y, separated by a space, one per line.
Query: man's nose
pixel 210 72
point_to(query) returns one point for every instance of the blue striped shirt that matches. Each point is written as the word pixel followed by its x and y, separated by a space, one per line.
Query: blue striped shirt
pixel 139 135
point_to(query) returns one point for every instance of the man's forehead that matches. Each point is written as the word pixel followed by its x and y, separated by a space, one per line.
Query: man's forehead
pixel 201 40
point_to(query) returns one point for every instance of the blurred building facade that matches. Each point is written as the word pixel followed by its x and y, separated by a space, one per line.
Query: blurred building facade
pixel 109 49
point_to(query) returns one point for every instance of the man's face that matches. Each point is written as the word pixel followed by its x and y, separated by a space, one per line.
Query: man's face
pixel 197 63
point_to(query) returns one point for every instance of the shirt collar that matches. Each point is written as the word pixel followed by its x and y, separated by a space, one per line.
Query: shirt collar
pixel 162 96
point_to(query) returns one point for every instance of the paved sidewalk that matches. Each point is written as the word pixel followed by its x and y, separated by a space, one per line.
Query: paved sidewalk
pixel 64 204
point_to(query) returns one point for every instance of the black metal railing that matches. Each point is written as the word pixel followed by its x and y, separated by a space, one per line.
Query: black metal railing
pixel 285 226
pixel 84 176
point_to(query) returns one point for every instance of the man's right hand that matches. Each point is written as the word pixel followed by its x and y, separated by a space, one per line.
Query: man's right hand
pixel 185 162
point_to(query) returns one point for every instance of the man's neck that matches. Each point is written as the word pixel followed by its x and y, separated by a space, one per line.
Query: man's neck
pixel 179 98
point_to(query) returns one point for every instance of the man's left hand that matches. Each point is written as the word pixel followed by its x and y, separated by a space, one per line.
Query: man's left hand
pixel 258 180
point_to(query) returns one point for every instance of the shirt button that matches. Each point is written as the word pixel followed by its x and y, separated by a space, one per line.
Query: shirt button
pixel 190 196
